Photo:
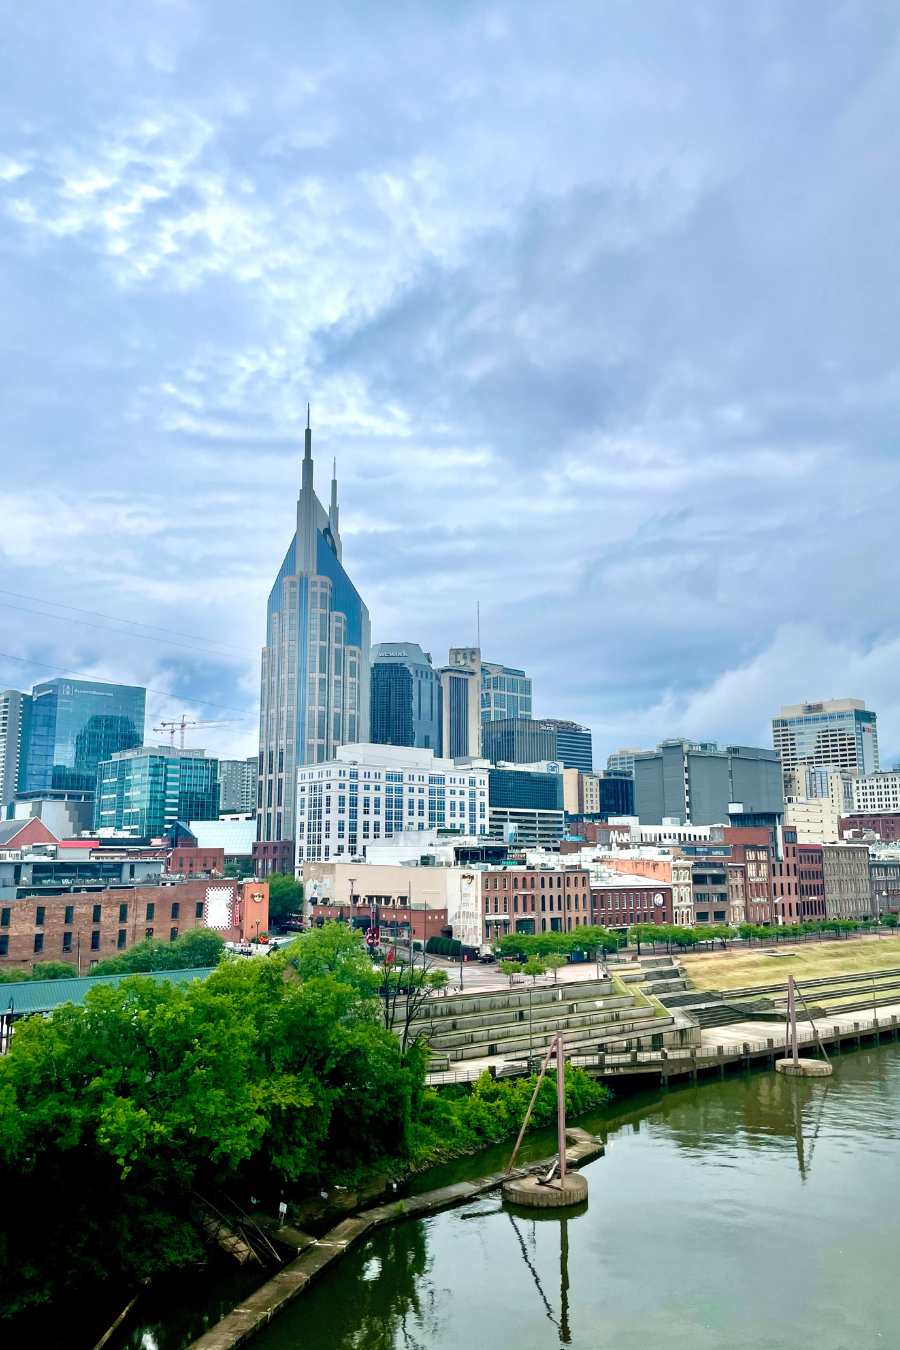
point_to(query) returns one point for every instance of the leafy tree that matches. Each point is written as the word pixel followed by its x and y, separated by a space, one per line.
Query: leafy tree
pixel 534 967
pixel 510 968
pixel 285 897
pixel 338 950
pixel 197 948
pixel 53 970
pixel 553 961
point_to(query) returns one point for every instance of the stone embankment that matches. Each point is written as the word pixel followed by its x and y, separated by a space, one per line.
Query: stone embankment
pixel 241 1324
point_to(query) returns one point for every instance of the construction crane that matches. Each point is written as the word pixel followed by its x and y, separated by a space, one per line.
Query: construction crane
pixel 172 727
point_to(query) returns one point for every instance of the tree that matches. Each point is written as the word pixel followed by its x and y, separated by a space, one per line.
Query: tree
pixel 553 962
pixel 197 948
pixel 510 968
pixel 534 967
pixel 285 897
pixel 335 949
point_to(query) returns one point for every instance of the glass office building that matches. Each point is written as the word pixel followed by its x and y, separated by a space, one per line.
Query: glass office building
pixel 837 734
pixel 405 703
pixel 147 790
pixel 315 664
pixel 75 725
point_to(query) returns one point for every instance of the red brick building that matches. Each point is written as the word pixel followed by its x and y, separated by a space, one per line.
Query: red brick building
pixel 630 899
pixel 278 856
pixel 87 927
pixel 886 824
pixel 811 878
pixel 534 900
pixel 786 879
pixel 196 862
pixel 393 920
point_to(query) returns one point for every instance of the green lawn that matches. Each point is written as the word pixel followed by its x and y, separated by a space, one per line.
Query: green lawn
pixel 747 967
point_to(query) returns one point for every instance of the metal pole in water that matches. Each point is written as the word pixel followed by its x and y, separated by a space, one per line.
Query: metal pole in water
pixel 561 1104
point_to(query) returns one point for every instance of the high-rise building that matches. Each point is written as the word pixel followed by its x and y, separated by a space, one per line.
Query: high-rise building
pixel 526 804
pixel 76 725
pixel 622 761
pixel 572 744
pixel 460 712
pixel 368 793
pixel 505 691
pixel 696 783
pixel 315 664
pixel 147 790
pixel 237 784
pixel 15 717
pixel 838 733
pixel 517 740
pixel 405 705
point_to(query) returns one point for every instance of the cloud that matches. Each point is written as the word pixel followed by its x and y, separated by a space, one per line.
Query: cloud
pixel 598 317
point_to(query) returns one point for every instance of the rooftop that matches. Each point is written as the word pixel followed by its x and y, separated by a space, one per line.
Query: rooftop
pixel 40 996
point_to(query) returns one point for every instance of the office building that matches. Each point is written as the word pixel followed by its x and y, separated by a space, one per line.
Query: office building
pixel 76 725
pixel 405 704
pixel 686 782
pixel 839 733
pixel 814 818
pixel 148 790
pixel 315 664
pixel 572 744
pixel 517 740
pixel 15 718
pixel 237 785
pixel 504 691
pixel 876 792
pixel 367 793
pixel 526 804
pixel 622 761
pixel 597 795
pixel 460 712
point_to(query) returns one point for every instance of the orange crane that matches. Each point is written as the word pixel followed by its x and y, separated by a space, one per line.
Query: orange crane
pixel 172 727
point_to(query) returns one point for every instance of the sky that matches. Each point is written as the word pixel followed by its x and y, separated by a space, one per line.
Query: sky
pixel 596 305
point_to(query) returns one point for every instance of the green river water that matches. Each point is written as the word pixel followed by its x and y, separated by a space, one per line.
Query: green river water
pixel 755 1213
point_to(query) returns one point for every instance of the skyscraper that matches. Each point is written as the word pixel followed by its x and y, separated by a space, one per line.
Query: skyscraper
pixel 695 783
pixel 76 724
pixel 460 712
pixel 406 697
pixel 237 784
pixel 505 691
pixel 839 733
pixel 315 664
pixel 15 716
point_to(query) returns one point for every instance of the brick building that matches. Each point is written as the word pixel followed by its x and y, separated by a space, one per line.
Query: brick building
pixel 534 900
pixel 884 874
pixel 811 874
pixel 275 856
pixel 618 902
pixel 786 879
pixel 848 890
pixel 885 824
pixel 196 862
pixel 88 927
pixel 394 920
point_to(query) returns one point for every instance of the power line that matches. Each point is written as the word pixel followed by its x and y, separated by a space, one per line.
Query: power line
pixel 59 604
pixel 98 679
pixel 147 637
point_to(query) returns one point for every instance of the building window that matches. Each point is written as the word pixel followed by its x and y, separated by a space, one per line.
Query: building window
pixel 4 944
pixel 4 918
pixel 122 938
pixel 38 942
pixel 67 942
pixel 123 913
pixel 70 914
pixel 95 940
pixel 148 932
pixel 39 916
pixel 173 933
pixel 151 910
pixel 198 910
pixel 95 916
pixel 176 909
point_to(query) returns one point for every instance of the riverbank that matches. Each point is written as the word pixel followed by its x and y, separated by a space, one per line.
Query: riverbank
pixel 747 967
pixel 256 1311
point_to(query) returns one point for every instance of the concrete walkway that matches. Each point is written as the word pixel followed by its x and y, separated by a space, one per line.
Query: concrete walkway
pixel 740 1033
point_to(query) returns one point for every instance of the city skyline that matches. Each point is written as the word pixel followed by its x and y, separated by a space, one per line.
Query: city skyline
pixel 247 234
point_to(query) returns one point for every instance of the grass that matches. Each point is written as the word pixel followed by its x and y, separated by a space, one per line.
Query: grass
pixel 745 968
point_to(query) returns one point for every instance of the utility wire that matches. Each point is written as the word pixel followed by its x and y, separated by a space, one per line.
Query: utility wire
pixel 59 604
pixel 147 637
pixel 99 679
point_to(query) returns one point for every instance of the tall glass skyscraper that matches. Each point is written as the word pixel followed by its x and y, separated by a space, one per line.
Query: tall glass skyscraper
pixel 406 697
pixel 836 734
pixel 75 725
pixel 315 664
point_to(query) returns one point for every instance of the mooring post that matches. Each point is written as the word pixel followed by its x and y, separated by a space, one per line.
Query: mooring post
pixel 561 1104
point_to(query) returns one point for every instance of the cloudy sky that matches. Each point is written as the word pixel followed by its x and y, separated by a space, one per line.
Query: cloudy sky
pixel 595 303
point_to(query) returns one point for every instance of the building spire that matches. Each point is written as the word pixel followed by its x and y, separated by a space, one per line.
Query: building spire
pixel 333 508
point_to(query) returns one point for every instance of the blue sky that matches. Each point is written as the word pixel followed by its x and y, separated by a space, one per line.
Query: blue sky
pixel 596 305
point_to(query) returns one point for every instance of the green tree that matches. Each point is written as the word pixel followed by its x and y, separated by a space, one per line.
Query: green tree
pixel 509 969
pixel 285 897
pixel 197 948
pixel 335 949
pixel 534 967
pixel 53 970
pixel 554 961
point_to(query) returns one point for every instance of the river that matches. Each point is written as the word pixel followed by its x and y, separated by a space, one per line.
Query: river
pixel 756 1213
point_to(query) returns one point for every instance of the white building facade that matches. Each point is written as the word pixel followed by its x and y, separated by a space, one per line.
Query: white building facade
pixel 367 793
pixel 876 792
